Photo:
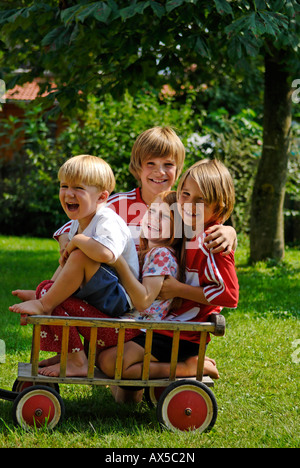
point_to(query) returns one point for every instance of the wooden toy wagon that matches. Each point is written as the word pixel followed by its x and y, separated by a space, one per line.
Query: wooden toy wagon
pixel 181 404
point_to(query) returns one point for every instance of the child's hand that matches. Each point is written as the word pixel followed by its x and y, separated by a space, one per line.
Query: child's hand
pixel 67 251
pixel 63 242
pixel 62 259
pixel 221 239
pixel 169 288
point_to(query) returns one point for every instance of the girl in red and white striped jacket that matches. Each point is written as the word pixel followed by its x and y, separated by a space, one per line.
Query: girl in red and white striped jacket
pixel 206 197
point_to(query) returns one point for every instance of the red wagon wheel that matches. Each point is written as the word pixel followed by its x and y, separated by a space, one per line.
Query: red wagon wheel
pixel 152 395
pixel 187 405
pixel 38 406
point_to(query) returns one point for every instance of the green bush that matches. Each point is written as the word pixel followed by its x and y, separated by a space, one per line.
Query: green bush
pixel 29 190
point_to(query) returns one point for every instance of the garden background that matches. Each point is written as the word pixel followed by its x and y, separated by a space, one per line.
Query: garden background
pixel 161 63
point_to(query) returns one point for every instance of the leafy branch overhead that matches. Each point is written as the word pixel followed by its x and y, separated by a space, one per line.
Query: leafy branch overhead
pixel 113 46
pixel 117 45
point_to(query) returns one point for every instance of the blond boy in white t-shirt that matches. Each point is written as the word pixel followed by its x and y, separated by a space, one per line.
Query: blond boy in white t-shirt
pixel 97 237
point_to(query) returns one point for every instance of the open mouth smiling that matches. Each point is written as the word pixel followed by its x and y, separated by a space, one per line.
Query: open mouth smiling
pixel 72 206
pixel 157 181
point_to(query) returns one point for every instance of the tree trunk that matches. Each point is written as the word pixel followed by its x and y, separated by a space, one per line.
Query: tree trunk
pixel 267 223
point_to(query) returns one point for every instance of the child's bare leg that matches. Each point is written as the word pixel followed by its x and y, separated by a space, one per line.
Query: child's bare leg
pixel 77 366
pixel 133 364
pixel 78 270
pixel 106 361
pixel 161 370
pixel 24 294
pixel 121 395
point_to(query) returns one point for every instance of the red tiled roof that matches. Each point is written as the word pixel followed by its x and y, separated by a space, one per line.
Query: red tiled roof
pixel 27 92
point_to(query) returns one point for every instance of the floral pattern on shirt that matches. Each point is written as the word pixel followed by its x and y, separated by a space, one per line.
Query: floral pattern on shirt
pixel 160 261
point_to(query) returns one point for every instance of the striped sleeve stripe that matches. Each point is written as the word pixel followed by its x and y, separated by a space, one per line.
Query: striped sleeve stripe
pixel 63 230
pixel 122 196
pixel 213 274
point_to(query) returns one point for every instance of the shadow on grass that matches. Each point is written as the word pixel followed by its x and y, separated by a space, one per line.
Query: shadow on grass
pixel 96 413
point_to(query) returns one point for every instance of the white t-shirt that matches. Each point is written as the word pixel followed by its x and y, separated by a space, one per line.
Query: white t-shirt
pixel 110 230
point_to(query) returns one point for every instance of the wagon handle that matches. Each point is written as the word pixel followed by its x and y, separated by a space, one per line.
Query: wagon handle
pixel 219 321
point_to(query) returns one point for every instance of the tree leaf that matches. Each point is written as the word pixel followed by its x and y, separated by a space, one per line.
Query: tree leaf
pixel 132 10
pixel 85 12
pixel 5 15
pixel 251 46
pixel 237 26
pixel 172 4
pixel 223 7
pixel 52 35
pixel 158 9
pixel 235 48
pixel 201 47
pixel 102 12
pixel 69 14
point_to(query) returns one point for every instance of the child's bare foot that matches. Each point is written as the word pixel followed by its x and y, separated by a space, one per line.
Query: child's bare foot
pixel 50 361
pixel 24 294
pixel 190 367
pixel 77 366
pixel 211 360
pixel 34 307
pixel 210 368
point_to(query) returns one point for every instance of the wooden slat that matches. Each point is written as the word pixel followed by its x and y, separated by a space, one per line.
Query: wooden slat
pixel 24 374
pixel 115 323
pixel 174 355
pixel 147 355
pixel 120 352
pixel 120 325
pixel 201 355
pixel 92 353
pixel 35 349
pixel 64 351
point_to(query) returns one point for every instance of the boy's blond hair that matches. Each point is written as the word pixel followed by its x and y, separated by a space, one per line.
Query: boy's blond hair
pixel 156 142
pixel 89 170
pixel 215 184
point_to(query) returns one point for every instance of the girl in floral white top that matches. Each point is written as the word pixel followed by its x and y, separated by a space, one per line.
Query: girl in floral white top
pixel 161 254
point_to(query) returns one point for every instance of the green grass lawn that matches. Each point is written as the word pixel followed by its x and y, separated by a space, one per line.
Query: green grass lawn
pixel 257 394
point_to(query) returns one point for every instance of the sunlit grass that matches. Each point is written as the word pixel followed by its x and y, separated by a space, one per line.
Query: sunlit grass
pixel 257 394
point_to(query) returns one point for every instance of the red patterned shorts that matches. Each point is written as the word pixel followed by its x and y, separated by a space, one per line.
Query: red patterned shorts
pixel 51 336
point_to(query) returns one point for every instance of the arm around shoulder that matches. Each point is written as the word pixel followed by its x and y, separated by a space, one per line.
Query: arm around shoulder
pixel 221 239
